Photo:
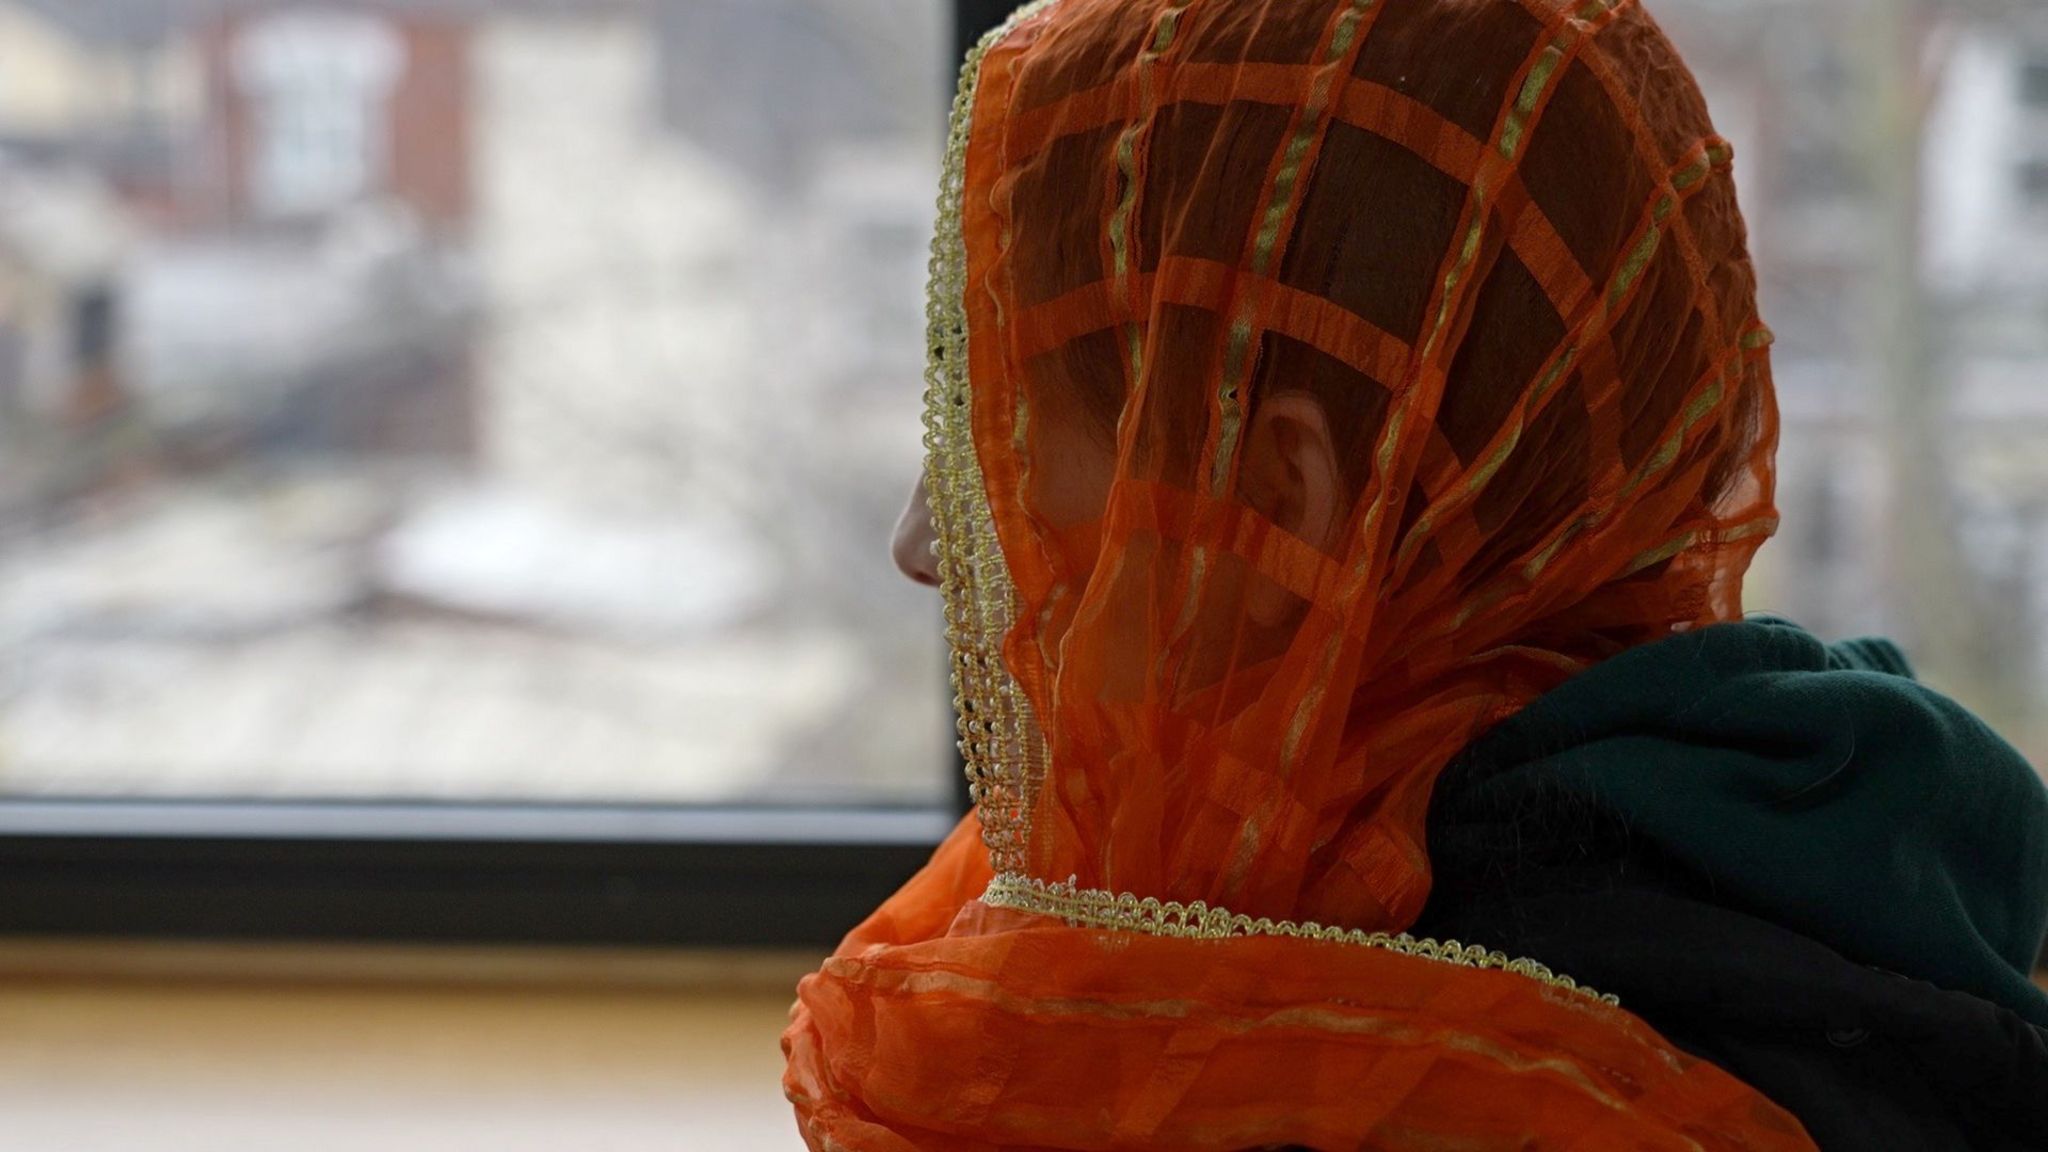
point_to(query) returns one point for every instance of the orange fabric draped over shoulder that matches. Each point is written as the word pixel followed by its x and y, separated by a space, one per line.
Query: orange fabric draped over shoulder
pixel 1493 248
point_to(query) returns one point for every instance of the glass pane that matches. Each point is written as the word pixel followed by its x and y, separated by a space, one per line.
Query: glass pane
pixel 1891 158
pixel 509 401
pixel 466 401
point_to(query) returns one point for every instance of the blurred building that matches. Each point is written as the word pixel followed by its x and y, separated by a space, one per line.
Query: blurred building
pixel 485 370
pixel 315 108
pixel 770 84
pixel 298 168
pixel 63 400
pixel 1893 163
pixel 62 235
pixel 105 86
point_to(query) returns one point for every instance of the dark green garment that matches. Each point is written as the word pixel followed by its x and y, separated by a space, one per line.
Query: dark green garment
pixel 1818 787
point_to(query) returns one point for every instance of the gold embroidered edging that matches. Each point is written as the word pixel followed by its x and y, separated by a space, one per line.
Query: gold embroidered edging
pixel 1096 908
pixel 999 742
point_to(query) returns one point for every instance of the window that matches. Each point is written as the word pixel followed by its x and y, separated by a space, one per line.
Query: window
pixel 497 551
pixel 582 497
pixel 500 546
pixel 319 88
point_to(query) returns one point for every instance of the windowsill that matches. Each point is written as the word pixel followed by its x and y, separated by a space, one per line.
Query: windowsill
pixel 174 1047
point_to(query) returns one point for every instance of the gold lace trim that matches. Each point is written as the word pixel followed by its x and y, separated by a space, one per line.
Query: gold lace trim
pixel 1000 744
pixel 1096 908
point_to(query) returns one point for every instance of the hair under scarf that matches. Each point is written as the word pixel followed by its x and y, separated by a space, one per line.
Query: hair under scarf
pixel 1494 245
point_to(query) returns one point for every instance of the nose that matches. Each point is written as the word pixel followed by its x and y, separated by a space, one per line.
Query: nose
pixel 915 537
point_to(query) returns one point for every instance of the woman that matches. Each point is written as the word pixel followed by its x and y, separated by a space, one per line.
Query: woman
pixel 1350 423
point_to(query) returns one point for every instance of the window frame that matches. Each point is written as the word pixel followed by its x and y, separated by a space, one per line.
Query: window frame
pixel 508 874
pixel 497 874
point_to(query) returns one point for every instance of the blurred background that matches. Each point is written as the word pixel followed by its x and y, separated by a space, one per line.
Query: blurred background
pixel 450 399
pixel 506 401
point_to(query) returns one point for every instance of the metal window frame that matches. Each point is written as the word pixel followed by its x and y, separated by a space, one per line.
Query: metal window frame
pixel 738 877
pixel 511 874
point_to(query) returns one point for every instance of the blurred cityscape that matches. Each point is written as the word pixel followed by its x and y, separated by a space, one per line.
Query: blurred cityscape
pixel 508 399
pixel 465 399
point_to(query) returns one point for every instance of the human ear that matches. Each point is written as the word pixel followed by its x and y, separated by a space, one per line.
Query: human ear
pixel 1290 470
pixel 1290 474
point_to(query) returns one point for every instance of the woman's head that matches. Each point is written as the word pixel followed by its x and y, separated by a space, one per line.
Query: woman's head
pixel 1338 375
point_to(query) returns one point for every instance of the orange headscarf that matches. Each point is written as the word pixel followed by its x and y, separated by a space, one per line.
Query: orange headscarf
pixel 1496 244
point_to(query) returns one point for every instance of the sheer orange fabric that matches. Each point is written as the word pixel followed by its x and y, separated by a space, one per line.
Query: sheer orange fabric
pixel 1492 248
